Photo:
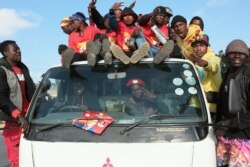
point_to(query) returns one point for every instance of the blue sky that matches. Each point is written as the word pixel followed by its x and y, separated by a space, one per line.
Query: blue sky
pixel 34 24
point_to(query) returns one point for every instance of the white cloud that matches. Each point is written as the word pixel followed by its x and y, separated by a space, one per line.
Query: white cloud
pixel 13 21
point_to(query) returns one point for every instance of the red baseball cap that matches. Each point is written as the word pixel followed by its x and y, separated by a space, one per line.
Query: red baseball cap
pixel 135 83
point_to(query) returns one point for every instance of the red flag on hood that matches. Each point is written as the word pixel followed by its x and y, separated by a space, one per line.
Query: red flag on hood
pixel 93 121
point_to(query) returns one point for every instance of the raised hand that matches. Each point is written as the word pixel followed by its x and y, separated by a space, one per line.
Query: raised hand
pixel 200 62
pixel 132 5
pixel 117 5
pixel 92 4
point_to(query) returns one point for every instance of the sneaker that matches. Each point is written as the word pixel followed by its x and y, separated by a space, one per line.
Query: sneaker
pixel 108 58
pixel 141 52
pixel 67 57
pixel 91 57
pixel 119 54
pixel 105 47
pixel 91 53
pixel 98 45
pixel 165 51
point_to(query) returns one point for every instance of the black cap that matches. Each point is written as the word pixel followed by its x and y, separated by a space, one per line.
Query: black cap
pixel 169 11
pixel 128 11
pixel 178 18
pixel 160 10
pixel 62 48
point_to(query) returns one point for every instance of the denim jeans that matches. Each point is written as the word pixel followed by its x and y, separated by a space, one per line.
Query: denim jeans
pixel 140 39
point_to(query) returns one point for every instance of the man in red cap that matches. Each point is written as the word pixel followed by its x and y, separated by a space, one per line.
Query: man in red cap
pixel 142 102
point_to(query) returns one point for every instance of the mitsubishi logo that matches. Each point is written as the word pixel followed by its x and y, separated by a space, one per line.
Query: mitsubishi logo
pixel 108 164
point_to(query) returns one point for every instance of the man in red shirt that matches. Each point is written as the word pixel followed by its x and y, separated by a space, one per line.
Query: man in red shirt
pixel 126 31
pixel 16 91
pixel 78 40
pixel 156 32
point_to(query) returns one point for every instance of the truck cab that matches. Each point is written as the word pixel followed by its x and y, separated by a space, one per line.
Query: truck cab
pixel 178 135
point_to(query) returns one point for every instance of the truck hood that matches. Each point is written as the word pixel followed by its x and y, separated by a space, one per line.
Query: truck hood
pixel 65 154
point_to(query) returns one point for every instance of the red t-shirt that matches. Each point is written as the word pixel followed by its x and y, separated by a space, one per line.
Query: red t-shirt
pixel 111 36
pixel 78 42
pixel 150 35
pixel 21 78
pixel 124 33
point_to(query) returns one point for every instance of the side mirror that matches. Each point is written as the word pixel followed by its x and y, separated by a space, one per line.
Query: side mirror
pixel 5 117
pixel 46 86
pixel 234 101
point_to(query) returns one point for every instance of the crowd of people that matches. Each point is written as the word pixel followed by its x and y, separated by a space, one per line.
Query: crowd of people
pixel 120 34
pixel 127 36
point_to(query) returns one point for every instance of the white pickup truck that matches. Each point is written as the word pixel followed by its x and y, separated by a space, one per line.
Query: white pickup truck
pixel 179 136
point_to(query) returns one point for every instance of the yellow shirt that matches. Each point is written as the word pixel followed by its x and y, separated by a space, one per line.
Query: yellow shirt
pixel 185 44
pixel 212 75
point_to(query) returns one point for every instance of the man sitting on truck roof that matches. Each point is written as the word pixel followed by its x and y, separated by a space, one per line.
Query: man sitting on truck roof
pixel 156 32
pixel 125 48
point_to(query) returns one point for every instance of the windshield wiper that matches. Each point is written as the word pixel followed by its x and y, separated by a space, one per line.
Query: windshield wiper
pixel 154 116
pixel 48 127
pixel 59 123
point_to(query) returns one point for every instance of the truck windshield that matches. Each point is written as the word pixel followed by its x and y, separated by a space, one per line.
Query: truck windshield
pixel 127 93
